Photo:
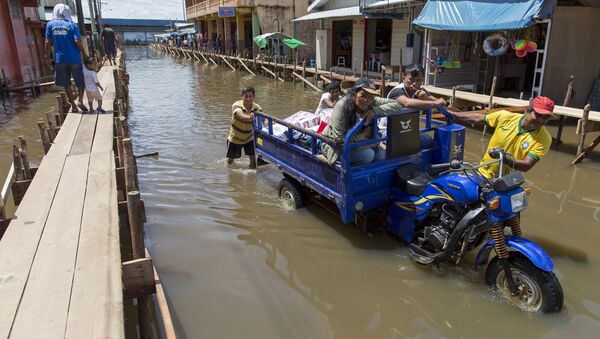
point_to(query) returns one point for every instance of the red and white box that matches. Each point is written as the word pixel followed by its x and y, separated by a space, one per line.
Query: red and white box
pixel 304 119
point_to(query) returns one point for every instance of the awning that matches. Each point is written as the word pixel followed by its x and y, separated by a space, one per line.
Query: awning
pixel 383 3
pixel 482 15
pixel 334 13
pixel 316 4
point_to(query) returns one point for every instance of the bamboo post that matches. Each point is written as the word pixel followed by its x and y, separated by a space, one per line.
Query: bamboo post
pixel 295 66
pixel 65 101
pixel 119 133
pixel 227 62
pixel 362 69
pixel 2 207
pixel 304 71
pixel 51 128
pixel 453 98
pixel 124 128
pixel 130 180
pixel 586 151
pixel 308 83
pixel 561 119
pixel 584 124
pixel 44 136
pixel 31 81
pixel 382 89
pixel 18 164
pixel 246 67
pixel 60 108
pixel 117 78
pixel 25 157
pixel 136 225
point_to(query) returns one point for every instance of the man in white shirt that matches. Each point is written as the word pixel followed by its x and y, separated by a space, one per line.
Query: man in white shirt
pixel 410 94
pixel 328 100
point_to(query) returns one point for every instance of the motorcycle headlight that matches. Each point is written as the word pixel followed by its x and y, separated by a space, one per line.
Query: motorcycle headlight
pixel 518 202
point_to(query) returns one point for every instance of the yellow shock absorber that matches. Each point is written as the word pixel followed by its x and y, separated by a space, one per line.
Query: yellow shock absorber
pixel 499 242
pixel 515 225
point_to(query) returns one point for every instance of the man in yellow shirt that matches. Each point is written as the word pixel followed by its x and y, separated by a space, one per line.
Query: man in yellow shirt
pixel 522 135
pixel 241 134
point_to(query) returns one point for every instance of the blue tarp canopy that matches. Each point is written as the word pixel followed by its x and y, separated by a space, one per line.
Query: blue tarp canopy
pixel 482 15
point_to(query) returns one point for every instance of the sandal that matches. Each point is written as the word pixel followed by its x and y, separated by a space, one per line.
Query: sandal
pixel 82 107
pixel 74 108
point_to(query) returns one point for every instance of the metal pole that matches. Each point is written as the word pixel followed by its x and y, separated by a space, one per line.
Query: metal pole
pixel 98 5
pixel 80 21
pixel 93 20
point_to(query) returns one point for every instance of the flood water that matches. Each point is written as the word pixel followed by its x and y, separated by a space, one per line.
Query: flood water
pixel 235 264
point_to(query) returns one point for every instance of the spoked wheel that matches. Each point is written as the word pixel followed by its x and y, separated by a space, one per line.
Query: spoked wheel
pixel 291 194
pixel 538 290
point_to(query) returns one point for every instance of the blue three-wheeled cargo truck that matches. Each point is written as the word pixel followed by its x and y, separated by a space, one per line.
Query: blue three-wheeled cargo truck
pixel 423 193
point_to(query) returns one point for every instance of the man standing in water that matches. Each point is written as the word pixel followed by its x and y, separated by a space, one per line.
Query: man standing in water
pixel 64 35
pixel 241 134
pixel 522 135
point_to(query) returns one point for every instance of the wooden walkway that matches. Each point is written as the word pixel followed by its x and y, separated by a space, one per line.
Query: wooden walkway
pixel 60 260
pixel 475 98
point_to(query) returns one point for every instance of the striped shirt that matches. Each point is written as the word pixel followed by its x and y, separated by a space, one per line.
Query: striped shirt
pixel 241 131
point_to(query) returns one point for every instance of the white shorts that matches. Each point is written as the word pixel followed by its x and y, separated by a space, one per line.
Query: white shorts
pixel 93 95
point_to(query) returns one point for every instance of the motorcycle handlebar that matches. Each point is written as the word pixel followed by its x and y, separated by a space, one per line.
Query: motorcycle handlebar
pixel 454 164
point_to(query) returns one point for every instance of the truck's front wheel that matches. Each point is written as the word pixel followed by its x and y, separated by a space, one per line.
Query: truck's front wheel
pixel 291 194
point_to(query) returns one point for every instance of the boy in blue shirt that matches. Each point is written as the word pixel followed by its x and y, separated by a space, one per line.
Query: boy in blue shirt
pixel 64 35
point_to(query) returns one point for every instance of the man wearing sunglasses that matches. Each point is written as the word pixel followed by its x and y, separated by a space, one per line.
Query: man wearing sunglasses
pixel 522 135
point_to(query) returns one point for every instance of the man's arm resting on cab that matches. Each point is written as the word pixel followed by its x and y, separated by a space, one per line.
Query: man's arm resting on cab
pixel 240 115
pixel 420 103
pixel 469 118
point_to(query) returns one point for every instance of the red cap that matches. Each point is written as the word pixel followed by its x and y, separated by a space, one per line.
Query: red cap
pixel 543 105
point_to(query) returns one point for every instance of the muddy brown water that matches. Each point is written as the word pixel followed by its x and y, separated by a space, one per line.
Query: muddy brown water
pixel 235 264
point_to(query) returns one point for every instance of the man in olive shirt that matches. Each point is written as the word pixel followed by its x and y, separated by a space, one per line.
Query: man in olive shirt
pixel 359 103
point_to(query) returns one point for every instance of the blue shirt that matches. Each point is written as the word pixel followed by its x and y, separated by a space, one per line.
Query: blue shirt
pixel 63 34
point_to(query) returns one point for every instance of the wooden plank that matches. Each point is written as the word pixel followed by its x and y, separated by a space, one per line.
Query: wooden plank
pixel 96 309
pixel 163 307
pixel 85 135
pixel 20 242
pixel 64 140
pixel 103 138
pixel 45 301
pixel 138 277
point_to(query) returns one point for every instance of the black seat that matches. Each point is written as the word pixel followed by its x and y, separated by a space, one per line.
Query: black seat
pixel 411 179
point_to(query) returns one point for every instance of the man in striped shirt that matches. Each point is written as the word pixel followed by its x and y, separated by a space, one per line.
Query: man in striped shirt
pixel 240 133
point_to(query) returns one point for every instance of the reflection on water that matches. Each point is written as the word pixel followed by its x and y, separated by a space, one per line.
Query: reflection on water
pixel 234 263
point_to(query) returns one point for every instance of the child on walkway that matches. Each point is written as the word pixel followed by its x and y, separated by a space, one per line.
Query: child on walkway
pixel 91 84
pixel 241 134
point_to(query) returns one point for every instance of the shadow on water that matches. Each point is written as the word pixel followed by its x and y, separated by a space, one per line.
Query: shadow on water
pixel 234 263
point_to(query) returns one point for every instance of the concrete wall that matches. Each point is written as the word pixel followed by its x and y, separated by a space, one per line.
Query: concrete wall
pixel 573 50
pixel 398 47
pixel 358 43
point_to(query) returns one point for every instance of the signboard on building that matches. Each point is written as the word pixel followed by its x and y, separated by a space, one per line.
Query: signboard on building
pixel 226 11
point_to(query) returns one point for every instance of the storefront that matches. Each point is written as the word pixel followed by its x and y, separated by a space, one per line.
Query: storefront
pixel 468 43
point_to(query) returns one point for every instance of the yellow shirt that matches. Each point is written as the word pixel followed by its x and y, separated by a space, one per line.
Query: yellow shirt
pixel 241 131
pixel 510 136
